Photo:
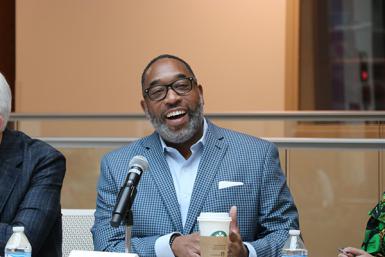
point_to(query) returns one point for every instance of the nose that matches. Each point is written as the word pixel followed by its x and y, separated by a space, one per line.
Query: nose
pixel 171 96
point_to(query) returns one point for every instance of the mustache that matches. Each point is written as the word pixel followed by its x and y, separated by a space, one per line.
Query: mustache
pixel 159 119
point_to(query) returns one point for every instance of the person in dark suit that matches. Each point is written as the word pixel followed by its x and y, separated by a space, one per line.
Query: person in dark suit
pixel 31 177
pixel 194 166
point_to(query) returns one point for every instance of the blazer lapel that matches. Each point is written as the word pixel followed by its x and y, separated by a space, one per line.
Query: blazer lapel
pixel 213 153
pixel 161 175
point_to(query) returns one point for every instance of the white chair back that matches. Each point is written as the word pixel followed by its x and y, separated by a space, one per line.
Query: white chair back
pixel 77 225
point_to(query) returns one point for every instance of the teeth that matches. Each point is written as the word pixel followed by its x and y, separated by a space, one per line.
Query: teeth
pixel 174 113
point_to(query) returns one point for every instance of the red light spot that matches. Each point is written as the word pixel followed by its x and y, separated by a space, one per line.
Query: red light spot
pixel 364 75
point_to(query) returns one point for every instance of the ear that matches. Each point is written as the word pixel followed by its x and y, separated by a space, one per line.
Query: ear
pixel 200 88
pixel 144 105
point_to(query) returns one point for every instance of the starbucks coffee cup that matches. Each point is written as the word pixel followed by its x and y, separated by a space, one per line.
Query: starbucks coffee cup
pixel 214 224
pixel 214 229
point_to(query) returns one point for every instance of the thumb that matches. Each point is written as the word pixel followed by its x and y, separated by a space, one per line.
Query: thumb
pixel 233 216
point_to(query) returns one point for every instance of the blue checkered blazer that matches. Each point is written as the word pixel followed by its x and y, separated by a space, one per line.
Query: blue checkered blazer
pixel 31 177
pixel 266 210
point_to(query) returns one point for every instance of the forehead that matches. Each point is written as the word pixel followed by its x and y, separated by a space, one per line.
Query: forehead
pixel 165 70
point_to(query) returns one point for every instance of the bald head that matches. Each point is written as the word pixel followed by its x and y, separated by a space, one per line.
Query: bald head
pixel 165 56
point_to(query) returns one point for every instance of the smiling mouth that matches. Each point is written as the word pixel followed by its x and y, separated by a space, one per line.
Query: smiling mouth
pixel 175 115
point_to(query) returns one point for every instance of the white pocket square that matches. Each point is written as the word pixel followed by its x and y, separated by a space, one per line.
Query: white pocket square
pixel 226 184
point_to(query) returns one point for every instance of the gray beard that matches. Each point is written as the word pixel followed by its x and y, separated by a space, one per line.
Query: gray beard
pixel 181 136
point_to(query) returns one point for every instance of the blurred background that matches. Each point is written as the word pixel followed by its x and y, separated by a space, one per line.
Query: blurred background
pixel 305 74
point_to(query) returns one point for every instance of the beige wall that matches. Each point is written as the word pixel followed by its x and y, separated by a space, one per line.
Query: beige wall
pixel 87 56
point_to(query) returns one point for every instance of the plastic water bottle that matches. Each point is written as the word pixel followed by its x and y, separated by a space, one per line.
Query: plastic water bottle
pixel 18 244
pixel 294 245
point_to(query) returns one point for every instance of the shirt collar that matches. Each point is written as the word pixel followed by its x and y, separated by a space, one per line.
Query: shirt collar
pixel 201 141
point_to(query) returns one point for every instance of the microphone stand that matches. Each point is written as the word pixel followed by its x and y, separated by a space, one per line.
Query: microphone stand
pixel 128 221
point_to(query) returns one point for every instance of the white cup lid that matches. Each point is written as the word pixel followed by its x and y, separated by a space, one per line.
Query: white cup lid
pixel 214 216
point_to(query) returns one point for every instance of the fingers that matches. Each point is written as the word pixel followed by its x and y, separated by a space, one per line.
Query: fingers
pixel 236 246
pixel 233 223
pixel 233 213
pixel 195 240
pixel 354 251
pixel 351 252
pixel 195 235
pixel 186 245
pixel 234 237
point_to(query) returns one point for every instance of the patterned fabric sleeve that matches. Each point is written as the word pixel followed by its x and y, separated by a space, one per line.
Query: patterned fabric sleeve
pixel 278 213
pixel 107 238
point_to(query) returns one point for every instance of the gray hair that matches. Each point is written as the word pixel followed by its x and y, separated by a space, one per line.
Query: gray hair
pixel 5 101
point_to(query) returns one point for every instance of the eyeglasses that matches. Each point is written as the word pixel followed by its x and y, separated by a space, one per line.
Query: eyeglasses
pixel 159 92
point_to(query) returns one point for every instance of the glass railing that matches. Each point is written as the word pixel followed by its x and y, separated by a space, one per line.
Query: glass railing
pixel 262 124
pixel 334 161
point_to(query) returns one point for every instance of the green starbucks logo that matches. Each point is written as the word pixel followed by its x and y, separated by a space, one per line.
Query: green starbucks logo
pixel 219 234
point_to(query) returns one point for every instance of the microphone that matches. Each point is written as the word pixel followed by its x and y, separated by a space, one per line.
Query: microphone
pixel 127 192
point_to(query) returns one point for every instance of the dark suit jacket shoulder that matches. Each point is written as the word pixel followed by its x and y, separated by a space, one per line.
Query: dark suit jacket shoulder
pixel 31 177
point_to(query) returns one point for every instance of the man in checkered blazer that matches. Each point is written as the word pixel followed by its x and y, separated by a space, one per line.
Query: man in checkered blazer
pixel 194 166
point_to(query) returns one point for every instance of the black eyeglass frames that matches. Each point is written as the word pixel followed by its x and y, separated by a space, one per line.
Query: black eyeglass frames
pixel 181 86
